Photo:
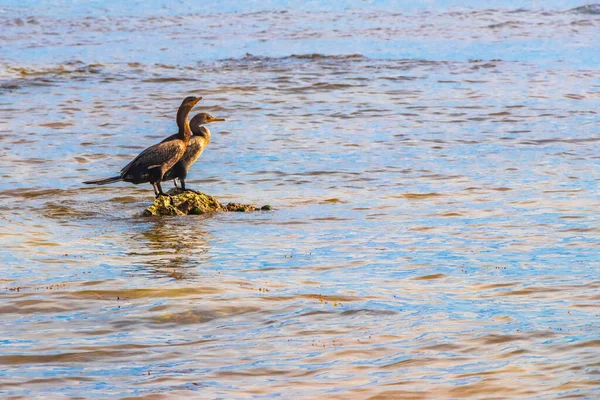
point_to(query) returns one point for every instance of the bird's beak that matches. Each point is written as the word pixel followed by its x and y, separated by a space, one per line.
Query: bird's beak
pixel 196 101
pixel 218 119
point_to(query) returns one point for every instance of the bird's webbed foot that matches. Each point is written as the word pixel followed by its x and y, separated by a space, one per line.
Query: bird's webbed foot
pixel 167 195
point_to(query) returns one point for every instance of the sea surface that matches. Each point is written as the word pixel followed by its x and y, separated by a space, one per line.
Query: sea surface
pixel 432 168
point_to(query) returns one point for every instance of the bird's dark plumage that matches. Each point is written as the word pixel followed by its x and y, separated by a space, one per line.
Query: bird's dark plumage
pixel 196 146
pixel 151 164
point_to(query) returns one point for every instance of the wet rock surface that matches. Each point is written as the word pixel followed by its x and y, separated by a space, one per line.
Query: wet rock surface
pixel 189 202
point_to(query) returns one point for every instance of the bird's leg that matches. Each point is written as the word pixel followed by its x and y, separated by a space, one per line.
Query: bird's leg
pixel 161 193
pixel 155 189
pixel 175 183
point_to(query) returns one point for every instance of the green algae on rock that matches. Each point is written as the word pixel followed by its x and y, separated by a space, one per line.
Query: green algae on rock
pixel 194 203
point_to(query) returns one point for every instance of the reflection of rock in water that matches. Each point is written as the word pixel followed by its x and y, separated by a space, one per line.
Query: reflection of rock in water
pixel 196 203
pixel 169 248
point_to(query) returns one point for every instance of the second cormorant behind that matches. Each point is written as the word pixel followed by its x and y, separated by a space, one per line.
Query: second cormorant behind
pixel 196 146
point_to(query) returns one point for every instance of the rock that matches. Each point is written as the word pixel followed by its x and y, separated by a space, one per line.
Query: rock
pixel 240 207
pixel 194 203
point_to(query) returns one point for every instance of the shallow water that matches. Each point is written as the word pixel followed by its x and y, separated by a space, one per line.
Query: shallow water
pixel 433 173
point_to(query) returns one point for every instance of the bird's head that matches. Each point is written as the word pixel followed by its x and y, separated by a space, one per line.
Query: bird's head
pixel 184 109
pixel 203 119
pixel 190 102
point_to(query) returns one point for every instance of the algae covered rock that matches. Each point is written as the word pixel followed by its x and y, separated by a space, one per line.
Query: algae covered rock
pixel 194 203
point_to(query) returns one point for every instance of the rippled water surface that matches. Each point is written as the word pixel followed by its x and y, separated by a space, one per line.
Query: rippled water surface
pixel 433 170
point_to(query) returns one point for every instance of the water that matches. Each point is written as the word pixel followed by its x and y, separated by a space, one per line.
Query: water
pixel 433 173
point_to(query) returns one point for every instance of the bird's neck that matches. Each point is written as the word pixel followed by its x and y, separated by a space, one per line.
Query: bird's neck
pixel 184 125
pixel 202 131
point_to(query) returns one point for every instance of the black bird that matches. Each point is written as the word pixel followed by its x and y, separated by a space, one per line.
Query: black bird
pixel 196 146
pixel 151 164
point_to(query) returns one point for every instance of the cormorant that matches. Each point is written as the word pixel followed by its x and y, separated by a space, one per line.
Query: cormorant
pixel 196 146
pixel 151 164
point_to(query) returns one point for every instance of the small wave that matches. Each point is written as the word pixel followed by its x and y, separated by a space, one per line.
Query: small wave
pixel 560 140
pixel 169 79
pixel 418 196
pixel 15 76
pixel 74 67
pixel 317 56
pixel 593 9
pixel 78 68
pixel 312 56
pixel 21 21
pixel 506 24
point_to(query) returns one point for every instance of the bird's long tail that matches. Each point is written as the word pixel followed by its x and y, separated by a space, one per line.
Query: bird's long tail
pixel 104 181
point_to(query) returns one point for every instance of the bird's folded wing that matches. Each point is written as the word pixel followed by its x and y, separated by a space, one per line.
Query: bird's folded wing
pixel 154 155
